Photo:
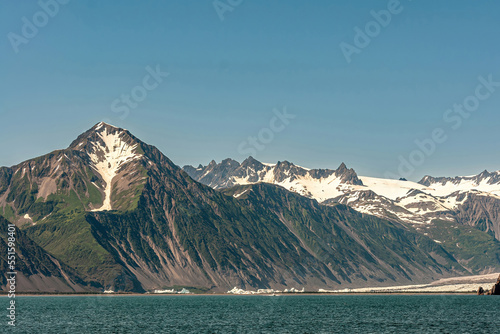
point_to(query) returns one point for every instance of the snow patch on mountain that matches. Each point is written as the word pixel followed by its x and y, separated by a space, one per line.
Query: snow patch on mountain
pixel 242 193
pixel 110 154
pixel 391 189
pixel 320 189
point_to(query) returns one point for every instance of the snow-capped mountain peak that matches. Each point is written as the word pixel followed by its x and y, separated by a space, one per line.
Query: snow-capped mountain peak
pixel 109 149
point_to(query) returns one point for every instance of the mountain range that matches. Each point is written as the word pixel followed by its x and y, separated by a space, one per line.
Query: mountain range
pixel 472 200
pixel 111 212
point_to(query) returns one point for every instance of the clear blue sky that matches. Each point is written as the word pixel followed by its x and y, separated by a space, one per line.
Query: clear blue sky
pixel 227 76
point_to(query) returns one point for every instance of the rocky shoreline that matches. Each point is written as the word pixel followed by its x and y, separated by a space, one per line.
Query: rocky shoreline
pixel 495 289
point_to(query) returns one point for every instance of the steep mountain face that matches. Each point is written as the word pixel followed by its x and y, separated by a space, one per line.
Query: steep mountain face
pixel 36 269
pixel 353 245
pixel 187 233
pixel 184 233
pixel 120 215
pixel 216 175
pixel 480 211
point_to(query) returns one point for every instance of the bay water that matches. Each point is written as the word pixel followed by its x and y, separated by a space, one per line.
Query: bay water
pixel 255 314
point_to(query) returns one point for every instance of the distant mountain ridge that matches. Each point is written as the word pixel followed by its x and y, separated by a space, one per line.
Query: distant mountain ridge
pixel 230 173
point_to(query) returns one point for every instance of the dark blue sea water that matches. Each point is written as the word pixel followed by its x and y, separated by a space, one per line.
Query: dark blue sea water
pixel 256 314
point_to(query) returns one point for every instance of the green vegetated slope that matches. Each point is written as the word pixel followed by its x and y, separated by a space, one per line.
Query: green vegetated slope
pixel 37 269
pixel 61 228
pixel 476 250
pixel 36 186
pixel 69 238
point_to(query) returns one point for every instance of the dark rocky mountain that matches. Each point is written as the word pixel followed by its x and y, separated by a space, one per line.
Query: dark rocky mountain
pixel 481 212
pixel 120 215
pixel 477 198
pixel 353 245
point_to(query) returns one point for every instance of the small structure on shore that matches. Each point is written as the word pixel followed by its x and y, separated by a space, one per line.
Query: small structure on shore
pixel 495 289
